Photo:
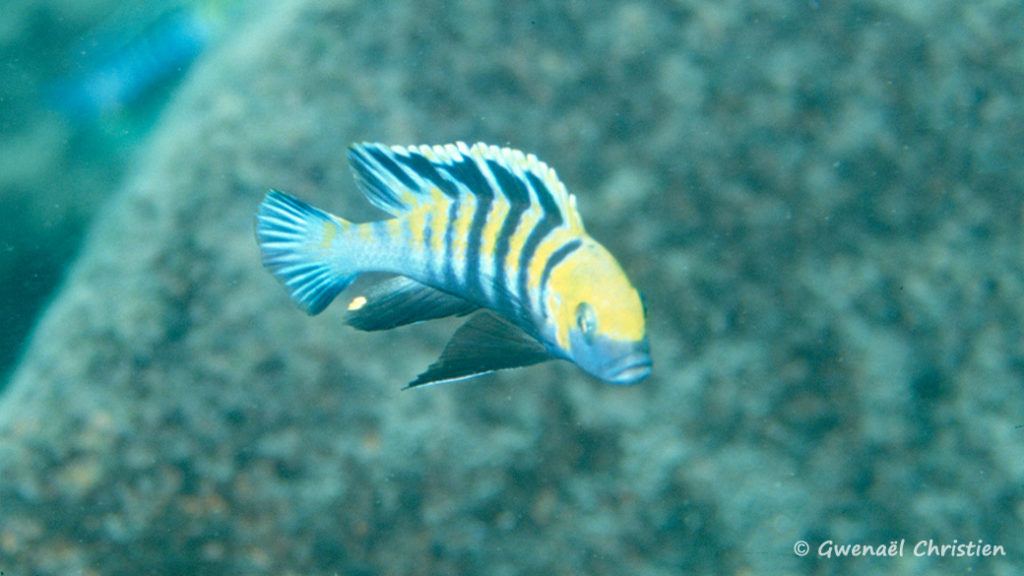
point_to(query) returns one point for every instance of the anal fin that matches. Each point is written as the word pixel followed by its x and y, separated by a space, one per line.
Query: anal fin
pixel 399 301
pixel 484 344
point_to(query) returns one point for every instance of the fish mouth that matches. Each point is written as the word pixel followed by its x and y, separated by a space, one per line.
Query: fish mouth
pixel 631 369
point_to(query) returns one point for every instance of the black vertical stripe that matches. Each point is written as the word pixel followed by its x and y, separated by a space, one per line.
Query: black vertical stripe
pixel 368 173
pixel 546 198
pixel 468 172
pixel 428 171
pixel 539 232
pixel 512 187
pixel 384 159
pixel 519 200
pixel 551 218
pixel 556 258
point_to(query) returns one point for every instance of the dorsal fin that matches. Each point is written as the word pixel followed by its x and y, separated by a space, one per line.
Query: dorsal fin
pixel 397 179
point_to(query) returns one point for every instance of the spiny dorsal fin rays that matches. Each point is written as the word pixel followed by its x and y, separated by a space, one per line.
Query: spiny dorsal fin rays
pixel 396 179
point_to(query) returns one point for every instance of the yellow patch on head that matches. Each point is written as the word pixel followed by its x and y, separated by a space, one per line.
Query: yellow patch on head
pixel 591 275
pixel 547 247
pixel 357 303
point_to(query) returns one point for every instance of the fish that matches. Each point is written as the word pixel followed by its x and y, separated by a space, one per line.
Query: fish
pixel 481 231
pixel 120 64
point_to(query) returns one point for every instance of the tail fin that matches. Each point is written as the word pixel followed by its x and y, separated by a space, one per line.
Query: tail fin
pixel 295 240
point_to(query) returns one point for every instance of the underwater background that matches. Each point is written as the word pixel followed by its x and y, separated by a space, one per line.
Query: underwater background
pixel 821 202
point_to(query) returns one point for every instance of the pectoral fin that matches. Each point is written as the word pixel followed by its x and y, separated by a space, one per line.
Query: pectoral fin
pixel 400 301
pixel 484 344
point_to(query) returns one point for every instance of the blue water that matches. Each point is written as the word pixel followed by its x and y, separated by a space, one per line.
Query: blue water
pixel 82 91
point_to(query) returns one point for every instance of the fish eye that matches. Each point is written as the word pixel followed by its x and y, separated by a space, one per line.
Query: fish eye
pixel 586 319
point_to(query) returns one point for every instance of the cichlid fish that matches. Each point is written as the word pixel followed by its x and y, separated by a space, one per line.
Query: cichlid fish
pixel 141 49
pixel 473 228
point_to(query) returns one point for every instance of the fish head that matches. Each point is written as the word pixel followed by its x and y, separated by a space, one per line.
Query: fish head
pixel 598 316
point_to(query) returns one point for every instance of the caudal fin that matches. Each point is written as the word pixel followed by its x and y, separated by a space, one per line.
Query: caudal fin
pixel 296 244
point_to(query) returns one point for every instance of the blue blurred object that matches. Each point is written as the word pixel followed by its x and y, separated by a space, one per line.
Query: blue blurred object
pixel 126 65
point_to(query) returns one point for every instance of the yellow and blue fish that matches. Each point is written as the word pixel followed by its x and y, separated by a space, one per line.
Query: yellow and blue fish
pixel 477 228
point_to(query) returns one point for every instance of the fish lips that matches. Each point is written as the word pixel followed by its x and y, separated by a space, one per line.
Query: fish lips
pixel 631 369
pixel 617 362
